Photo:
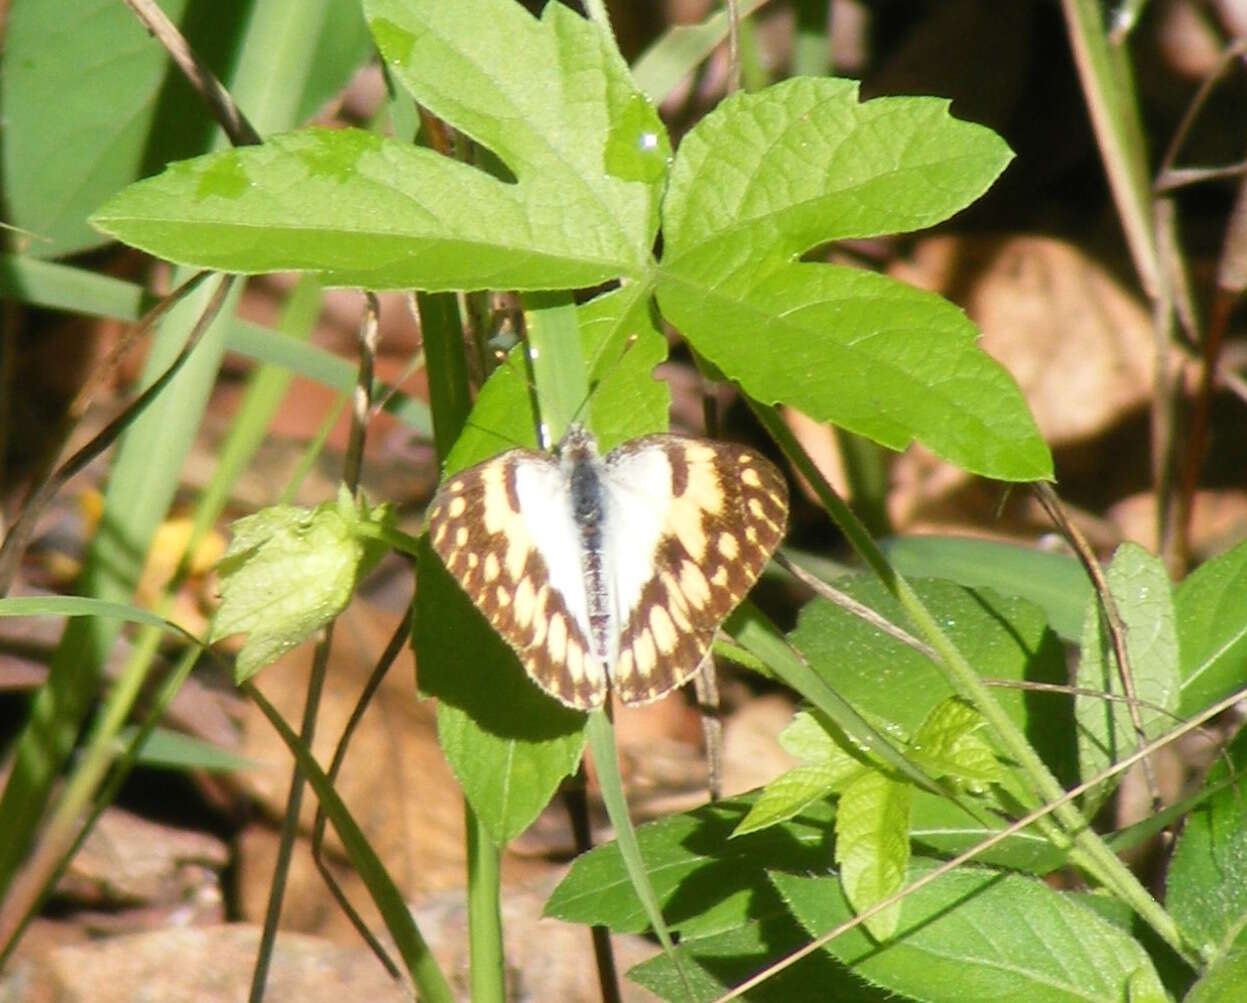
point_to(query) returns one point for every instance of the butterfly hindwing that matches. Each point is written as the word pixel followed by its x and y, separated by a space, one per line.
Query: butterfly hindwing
pixel 493 544
pixel 723 509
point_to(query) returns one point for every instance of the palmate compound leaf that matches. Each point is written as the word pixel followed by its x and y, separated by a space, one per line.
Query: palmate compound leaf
pixel 550 98
pixel 767 177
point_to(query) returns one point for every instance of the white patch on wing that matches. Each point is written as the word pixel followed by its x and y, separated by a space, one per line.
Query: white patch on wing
pixel 546 508
pixel 637 496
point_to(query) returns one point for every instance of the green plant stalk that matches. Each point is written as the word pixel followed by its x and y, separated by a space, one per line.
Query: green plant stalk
pixel 429 980
pixel 1088 850
pixel 290 822
pixel 866 468
pixel 602 745
pixel 449 396
pixel 1108 89
pixel 558 363
pixel 485 947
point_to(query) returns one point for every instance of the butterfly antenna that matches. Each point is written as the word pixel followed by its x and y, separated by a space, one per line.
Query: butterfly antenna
pixel 593 386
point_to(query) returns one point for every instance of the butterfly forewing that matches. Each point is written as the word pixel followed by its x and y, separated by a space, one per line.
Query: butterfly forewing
pixel 504 529
pixel 685 529
pixel 721 513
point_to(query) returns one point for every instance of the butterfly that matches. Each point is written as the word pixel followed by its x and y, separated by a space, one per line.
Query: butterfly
pixel 610 571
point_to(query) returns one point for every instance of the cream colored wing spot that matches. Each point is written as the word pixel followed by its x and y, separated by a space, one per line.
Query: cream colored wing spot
pixel 703 493
pixel 503 597
pixel 756 510
pixel 646 656
pixel 744 458
pixel 685 521
pixel 698 453
pixel 456 486
pixel 541 622
pixel 693 585
pixel 473 561
pixel 751 534
pixel 524 598
pixel 492 567
pixel 458 505
pixel 677 604
pixel 750 477
pixel 439 536
pixel 719 579
pixel 663 630
pixel 556 638
pixel 461 536
pixel 575 661
pixel 728 546
pixel 496 510
pixel 625 666
pixel 518 548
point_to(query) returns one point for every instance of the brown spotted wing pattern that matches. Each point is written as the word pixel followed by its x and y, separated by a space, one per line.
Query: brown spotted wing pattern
pixel 622 580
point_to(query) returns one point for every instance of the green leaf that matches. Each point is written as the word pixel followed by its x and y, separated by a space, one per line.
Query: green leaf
pixel 1141 590
pixel 945 745
pixel 343 45
pixel 1206 888
pixel 1223 982
pixel 976 934
pixel 94 63
pixel 705 880
pixel 830 765
pixel 767 177
pixel 122 112
pixel 551 98
pixel 289 571
pixel 173 750
pixel 941 827
pixel 1212 630
pixel 85 606
pixel 508 743
pixel 791 793
pixel 872 845
pixel 1003 638
pixel 1054 582
pixel 719 962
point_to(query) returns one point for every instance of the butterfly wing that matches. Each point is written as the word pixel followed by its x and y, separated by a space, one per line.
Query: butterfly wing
pixel 691 526
pixel 505 531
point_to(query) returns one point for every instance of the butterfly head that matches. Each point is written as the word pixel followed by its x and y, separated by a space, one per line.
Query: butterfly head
pixel 577 444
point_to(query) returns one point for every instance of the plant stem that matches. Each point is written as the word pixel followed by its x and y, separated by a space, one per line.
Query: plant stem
pixel 486 968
